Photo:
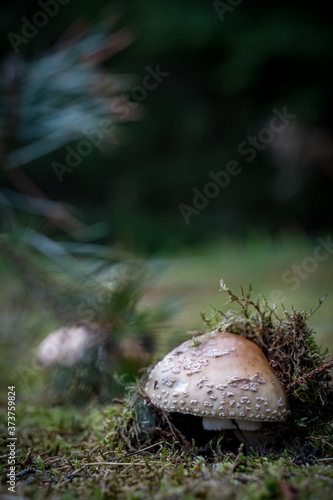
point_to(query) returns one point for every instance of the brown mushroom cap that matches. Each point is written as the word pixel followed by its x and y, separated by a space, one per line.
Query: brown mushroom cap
pixel 221 377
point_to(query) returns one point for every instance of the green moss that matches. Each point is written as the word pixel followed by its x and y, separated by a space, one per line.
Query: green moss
pixel 84 464
pixel 127 450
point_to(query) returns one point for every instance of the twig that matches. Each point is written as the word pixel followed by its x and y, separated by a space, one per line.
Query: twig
pixel 136 452
pixel 308 376
pixel 25 472
pixel 106 463
pixel 318 306
pixel 6 456
pixel 324 478
pixel 170 426
pixel 238 460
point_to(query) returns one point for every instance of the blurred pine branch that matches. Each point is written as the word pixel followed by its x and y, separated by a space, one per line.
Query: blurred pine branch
pixel 94 292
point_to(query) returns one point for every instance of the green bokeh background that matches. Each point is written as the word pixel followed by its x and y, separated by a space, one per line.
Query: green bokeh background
pixel 225 78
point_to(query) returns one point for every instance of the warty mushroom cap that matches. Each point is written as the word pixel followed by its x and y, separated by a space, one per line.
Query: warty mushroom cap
pixel 222 377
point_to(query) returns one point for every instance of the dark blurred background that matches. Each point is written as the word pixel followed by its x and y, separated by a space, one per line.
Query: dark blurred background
pixel 115 117
pixel 225 77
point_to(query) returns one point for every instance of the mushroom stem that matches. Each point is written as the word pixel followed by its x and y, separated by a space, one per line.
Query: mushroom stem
pixel 248 433
pixel 217 424
pixel 250 439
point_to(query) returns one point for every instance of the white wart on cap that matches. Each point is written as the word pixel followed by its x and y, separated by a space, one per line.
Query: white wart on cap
pixel 221 377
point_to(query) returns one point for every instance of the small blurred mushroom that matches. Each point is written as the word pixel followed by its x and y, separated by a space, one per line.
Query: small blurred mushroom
pixel 66 346
pixel 81 362
pixel 69 345
pixel 223 378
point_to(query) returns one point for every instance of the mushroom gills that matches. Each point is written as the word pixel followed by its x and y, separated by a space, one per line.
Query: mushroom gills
pixel 218 424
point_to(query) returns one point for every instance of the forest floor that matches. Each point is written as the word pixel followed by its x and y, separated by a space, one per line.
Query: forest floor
pixel 66 454
pixel 63 452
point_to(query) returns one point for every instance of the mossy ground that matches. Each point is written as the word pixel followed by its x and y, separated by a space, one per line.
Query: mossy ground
pixel 69 454
pixel 128 450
